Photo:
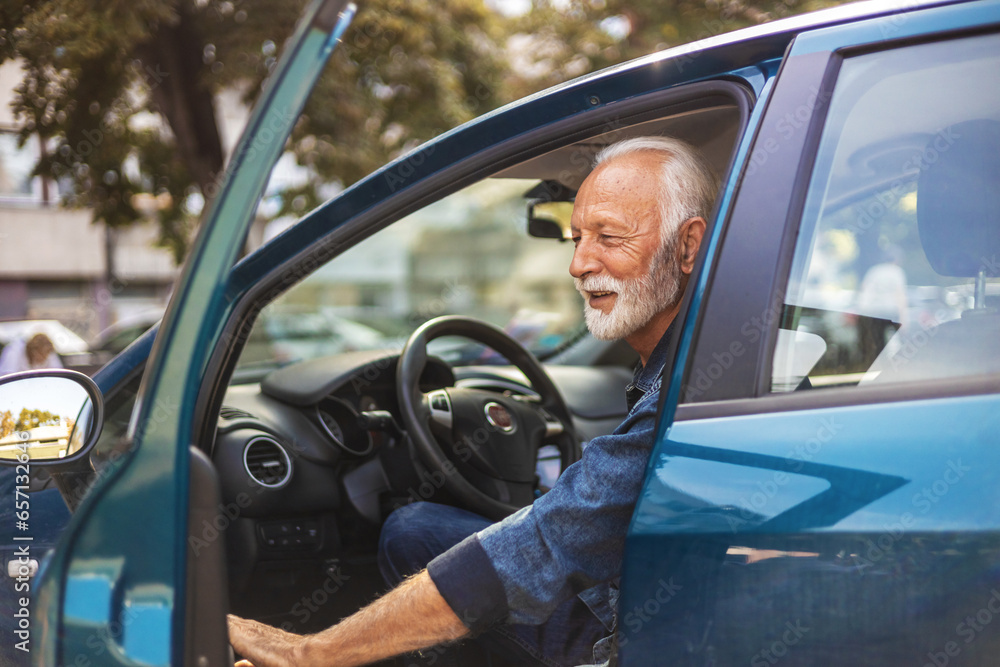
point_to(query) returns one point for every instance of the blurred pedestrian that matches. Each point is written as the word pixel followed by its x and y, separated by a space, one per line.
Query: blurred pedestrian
pixel 37 352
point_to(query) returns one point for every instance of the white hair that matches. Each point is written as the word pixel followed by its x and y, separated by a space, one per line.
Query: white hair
pixel 688 184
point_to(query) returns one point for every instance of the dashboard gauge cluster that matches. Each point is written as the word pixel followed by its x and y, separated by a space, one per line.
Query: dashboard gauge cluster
pixel 340 422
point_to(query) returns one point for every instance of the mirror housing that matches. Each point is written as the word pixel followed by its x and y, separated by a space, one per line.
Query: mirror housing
pixel 544 228
pixel 48 417
pixel 550 207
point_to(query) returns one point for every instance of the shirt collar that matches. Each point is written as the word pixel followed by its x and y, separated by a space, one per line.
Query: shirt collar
pixel 645 377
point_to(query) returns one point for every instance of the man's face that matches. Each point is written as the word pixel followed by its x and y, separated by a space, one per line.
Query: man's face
pixel 621 267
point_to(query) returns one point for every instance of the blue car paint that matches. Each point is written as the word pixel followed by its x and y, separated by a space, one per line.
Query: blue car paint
pixel 846 513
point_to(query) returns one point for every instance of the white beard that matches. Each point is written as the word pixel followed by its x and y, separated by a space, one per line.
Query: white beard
pixel 638 300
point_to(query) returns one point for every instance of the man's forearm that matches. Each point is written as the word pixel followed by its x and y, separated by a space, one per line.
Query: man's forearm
pixel 410 617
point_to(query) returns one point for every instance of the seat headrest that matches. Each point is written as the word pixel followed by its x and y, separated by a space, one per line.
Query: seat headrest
pixel 958 199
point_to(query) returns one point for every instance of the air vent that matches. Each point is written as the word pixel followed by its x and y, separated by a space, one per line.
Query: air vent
pixel 230 414
pixel 267 462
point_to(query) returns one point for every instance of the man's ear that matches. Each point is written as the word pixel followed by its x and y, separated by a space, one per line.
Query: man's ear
pixel 691 232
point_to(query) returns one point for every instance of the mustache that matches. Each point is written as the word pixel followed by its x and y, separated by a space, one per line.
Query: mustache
pixel 600 283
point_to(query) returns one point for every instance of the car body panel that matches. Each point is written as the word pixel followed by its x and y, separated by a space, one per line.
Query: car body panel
pixel 866 537
pixel 830 526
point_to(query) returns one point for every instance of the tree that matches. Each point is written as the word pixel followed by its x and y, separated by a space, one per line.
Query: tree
pixel 123 92
pixel 29 419
pixel 558 40
pixel 6 423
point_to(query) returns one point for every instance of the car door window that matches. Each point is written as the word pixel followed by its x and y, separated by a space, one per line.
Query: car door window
pixel 467 253
pixel 895 271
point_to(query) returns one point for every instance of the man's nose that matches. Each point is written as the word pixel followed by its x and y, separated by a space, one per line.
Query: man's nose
pixel 585 260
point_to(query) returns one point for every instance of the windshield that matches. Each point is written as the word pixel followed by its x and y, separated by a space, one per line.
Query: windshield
pixel 466 254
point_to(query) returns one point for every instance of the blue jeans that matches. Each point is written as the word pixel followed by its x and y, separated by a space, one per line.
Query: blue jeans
pixel 414 534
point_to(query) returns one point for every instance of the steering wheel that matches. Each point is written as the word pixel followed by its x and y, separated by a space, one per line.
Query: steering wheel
pixel 492 439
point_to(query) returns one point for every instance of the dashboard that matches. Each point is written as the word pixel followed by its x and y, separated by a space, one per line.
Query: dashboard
pixel 312 459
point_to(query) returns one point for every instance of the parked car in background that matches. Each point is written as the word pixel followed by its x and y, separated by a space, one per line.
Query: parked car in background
pixel 283 336
pixel 121 334
pixel 823 488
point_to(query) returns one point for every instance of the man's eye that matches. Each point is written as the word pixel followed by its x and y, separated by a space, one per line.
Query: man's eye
pixel 576 240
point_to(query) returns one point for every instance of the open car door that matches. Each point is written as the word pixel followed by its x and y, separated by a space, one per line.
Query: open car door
pixel 117 592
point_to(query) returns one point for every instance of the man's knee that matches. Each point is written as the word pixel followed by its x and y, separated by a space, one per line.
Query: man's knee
pixel 409 522
pixel 402 544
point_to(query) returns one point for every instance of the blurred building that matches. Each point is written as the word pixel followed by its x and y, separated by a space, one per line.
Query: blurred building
pixel 54 262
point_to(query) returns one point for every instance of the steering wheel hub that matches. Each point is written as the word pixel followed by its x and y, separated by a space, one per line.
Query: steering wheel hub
pixel 499 417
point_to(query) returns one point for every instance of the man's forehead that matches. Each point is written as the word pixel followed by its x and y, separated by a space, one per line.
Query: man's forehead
pixel 618 194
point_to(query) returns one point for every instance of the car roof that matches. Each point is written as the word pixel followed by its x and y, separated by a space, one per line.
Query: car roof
pixel 786 27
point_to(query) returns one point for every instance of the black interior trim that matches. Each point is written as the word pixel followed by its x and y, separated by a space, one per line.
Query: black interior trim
pixel 207 595
pixel 745 107
pixel 793 219
pixel 750 247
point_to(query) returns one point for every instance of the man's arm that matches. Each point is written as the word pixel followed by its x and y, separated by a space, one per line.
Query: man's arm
pixel 410 617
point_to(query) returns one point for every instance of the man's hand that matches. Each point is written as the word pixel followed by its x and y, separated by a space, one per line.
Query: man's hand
pixel 270 647
pixel 410 617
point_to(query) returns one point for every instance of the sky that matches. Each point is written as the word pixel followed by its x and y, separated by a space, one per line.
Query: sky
pixel 60 396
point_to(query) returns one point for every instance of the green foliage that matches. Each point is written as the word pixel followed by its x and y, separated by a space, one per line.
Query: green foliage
pixel 566 38
pixel 29 419
pixel 124 91
pixel 6 423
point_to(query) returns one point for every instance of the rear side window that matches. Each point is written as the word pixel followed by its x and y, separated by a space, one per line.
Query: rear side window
pixel 895 271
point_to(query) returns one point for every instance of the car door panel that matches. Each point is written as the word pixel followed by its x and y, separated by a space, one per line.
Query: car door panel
pixel 107 599
pixel 830 526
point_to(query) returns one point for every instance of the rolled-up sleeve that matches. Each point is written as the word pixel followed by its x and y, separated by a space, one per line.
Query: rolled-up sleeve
pixel 569 540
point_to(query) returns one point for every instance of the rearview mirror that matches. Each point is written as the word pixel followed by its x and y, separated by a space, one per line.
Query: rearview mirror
pixel 544 228
pixel 47 417
pixel 550 219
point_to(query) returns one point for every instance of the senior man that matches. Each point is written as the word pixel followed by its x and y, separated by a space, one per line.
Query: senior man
pixel 542 581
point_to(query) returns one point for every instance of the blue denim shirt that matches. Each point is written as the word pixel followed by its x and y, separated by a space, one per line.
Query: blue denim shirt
pixel 570 540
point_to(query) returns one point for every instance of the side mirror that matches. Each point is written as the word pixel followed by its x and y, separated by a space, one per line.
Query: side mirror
pixel 48 417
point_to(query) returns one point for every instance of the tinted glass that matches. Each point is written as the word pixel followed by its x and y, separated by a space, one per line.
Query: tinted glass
pixel 895 271
pixel 467 254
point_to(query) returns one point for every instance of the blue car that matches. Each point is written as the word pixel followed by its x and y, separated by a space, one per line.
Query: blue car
pixel 819 492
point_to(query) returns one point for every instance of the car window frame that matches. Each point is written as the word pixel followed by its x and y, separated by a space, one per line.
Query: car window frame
pixel 811 69
pixel 434 183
